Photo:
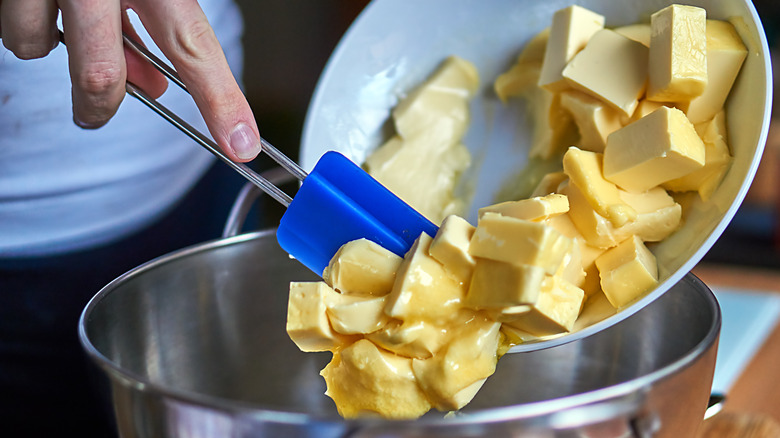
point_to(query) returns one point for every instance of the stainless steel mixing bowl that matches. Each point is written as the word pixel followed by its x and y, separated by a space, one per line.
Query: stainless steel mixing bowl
pixel 194 344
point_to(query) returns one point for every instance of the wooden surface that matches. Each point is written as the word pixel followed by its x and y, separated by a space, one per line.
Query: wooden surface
pixel 752 407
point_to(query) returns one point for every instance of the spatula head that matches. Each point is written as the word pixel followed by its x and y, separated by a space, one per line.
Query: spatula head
pixel 339 202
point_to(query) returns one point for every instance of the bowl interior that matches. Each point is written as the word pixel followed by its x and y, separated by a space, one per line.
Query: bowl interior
pixel 395 44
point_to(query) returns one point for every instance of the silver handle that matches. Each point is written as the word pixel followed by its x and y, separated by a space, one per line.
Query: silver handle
pixel 246 197
pixel 244 170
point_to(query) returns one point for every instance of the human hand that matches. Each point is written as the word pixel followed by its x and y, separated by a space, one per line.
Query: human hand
pixel 99 65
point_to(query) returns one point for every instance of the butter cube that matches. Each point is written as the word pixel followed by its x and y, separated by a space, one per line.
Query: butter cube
pixel 639 32
pixel 452 377
pixel 413 338
pixel 657 217
pixel 594 119
pixel 627 271
pixel 423 289
pixel 571 29
pixel 555 311
pixel 587 278
pixel 497 284
pixel 440 102
pixel 307 320
pixel 725 55
pixel 363 379
pixel 519 242
pixel 549 183
pixel 362 267
pixel 608 56
pixel 571 268
pixel 450 247
pixel 357 315
pixel 656 148
pixel 524 74
pixel 554 128
pixel 597 230
pixel 716 160
pixel 678 53
pixel 534 209
pixel 644 108
pixel 584 169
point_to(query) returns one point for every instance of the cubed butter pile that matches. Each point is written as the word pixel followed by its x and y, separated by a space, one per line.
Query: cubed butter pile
pixel 634 115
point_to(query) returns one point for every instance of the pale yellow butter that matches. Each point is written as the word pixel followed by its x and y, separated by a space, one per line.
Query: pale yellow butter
pixel 534 209
pixel 678 53
pixel 644 108
pixel 607 56
pixel 716 162
pixel 725 55
pixel 426 150
pixel 639 32
pixel 419 339
pixel 423 289
pixel 519 242
pixel 358 315
pixel 571 268
pixel 627 272
pixel 439 101
pixel 657 217
pixel 497 284
pixel 597 230
pixel 584 169
pixel 656 148
pixel 362 267
pixel 587 278
pixel 549 183
pixel 363 379
pixel 307 320
pixel 403 166
pixel 594 119
pixel 450 247
pixel 557 307
pixel 554 128
pixel 571 29
pixel 451 378
pixel 524 74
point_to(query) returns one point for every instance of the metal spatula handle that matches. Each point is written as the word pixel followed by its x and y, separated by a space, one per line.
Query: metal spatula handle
pixel 203 140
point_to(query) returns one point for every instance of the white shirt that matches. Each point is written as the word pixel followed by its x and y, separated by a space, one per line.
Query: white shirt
pixel 63 188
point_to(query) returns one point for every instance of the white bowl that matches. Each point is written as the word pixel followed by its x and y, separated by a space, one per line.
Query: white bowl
pixel 395 44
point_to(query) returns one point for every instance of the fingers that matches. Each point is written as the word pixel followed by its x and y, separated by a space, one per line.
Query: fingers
pixel 93 35
pixel 140 72
pixel 183 33
pixel 29 27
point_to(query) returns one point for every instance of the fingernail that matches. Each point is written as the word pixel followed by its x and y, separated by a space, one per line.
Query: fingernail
pixel 244 142
pixel 85 125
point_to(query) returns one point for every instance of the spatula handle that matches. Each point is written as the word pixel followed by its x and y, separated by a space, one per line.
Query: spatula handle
pixel 209 144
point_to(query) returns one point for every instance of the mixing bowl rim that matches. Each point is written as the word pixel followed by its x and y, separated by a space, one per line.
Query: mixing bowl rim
pixel 496 414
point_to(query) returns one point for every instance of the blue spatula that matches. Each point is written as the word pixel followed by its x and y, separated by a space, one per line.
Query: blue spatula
pixel 336 203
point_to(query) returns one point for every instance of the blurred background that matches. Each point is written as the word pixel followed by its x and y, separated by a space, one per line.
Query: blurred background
pixel 288 42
